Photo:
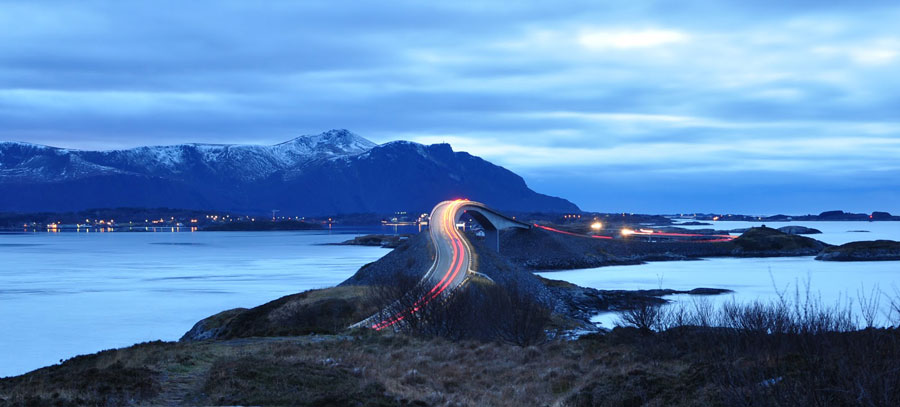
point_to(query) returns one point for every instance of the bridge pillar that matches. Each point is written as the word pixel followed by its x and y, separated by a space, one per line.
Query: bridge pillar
pixel 492 239
pixel 491 222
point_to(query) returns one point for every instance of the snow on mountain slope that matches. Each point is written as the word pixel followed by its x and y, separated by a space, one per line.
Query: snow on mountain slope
pixel 30 162
pixel 329 173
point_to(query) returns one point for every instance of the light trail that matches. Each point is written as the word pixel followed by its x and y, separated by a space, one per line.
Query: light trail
pixel 570 233
pixel 448 224
pixel 722 238
pixel 644 232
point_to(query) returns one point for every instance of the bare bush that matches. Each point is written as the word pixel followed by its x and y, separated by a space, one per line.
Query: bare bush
pixel 893 313
pixel 479 310
pixel 646 316
pixel 869 304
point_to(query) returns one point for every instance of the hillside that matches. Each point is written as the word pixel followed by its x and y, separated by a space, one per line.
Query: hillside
pixel 336 172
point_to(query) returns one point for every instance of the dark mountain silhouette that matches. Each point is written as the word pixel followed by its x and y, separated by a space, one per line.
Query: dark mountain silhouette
pixel 331 173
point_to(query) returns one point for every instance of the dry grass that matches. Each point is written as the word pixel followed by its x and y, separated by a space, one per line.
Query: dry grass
pixel 370 369
pixel 683 366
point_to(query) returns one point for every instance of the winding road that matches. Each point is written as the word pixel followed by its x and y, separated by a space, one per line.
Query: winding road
pixel 451 267
pixel 453 262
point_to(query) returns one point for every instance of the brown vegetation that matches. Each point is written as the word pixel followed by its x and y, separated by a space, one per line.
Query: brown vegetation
pixel 683 366
pixel 480 310
pixel 325 311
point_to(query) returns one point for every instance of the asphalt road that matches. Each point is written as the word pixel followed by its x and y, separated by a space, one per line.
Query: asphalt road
pixel 451 263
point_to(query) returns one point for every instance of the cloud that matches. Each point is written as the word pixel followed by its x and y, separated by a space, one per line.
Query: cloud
pixel 600 39
pixel 718 91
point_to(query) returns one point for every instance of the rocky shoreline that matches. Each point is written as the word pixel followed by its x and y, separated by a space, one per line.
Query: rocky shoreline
pixel 582 303
pixel 541 250
pixel 875 250
pixel 378 240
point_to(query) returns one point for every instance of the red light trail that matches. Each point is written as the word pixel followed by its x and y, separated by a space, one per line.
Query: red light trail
pixel 721 238
pixel 570 233
pixel 457 260
pixel 446 230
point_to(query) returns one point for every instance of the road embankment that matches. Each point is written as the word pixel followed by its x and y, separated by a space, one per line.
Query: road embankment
pixel 544 250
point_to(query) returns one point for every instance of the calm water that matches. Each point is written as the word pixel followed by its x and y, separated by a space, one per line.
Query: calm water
pixel 64 294
pixel 759 279
pixel 832 232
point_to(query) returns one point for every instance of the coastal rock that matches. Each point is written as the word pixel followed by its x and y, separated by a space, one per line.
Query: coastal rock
pixel 584 302
pixel 768 242
pixel 799 230
pixel 412 258
pixel 872 250
pixel 386 241
pixel 211 327
pixel 325 311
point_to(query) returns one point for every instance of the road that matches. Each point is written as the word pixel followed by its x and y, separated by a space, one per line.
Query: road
pixel 646 232
pixel 453 256
pixel 453 260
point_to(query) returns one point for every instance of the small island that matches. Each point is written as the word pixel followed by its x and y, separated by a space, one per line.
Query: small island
pixel 871 250
pixel 386 241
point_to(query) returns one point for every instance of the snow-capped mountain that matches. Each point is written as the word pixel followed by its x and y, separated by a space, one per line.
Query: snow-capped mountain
pixel 29 162
pixel 329 173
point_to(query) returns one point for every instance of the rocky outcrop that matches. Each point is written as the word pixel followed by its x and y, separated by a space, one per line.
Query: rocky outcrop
pixel 325 311
pixel 412 258
pixel 386 241
pixel 211 327
pixel 873 250
pixel 799 230
pixel 585 302
pixel 768 242
pixel 539 249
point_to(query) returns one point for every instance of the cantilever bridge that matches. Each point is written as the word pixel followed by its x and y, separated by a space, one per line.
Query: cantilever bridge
pixel 453 262
pixel 453 254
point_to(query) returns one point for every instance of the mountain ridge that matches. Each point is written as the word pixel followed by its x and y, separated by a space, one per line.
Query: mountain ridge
pixel 329 173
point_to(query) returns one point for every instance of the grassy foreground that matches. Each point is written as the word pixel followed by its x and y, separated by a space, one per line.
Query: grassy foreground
pixel 626 367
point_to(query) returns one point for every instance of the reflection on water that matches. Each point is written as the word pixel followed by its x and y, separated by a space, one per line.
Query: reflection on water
pixel 69 293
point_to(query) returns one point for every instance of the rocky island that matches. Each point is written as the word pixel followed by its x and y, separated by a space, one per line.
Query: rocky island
pixel 379 240
pixel 543 250
pixel 873 250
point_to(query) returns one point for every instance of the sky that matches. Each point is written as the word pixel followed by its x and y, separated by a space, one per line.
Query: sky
pixel 715 106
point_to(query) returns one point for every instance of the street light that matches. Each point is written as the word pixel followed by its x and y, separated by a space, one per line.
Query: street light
pixel 596 226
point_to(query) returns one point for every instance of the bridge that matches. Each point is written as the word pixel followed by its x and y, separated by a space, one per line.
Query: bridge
pixel 490 220
pixel 453 255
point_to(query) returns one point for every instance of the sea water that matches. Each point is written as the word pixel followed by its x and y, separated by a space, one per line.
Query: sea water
pixel 65 294
pixel 763 279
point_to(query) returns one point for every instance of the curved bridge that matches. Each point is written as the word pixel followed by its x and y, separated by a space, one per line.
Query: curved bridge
pixel 490 220
pixel 453 254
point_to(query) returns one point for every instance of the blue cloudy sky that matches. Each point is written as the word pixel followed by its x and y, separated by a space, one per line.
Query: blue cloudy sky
pixel 643 106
